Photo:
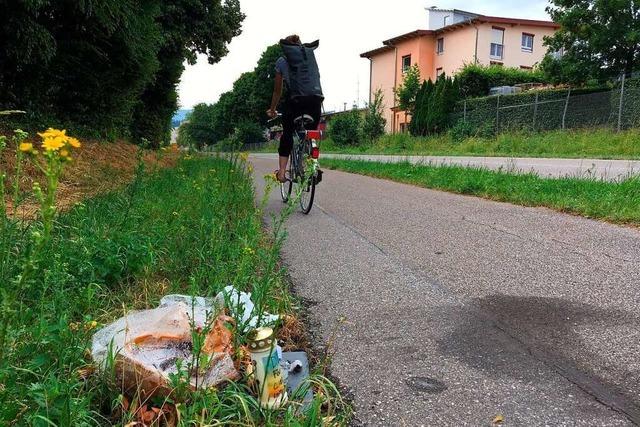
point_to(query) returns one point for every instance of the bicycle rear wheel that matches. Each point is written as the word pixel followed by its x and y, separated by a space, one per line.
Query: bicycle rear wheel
pixel 306 187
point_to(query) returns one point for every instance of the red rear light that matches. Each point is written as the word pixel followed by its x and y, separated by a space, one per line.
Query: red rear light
pixel 314 134
pixel 315 152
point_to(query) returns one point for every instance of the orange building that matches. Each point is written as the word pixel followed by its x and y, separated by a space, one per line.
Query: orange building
pixel 454 38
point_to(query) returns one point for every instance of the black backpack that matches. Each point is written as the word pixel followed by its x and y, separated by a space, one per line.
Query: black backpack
pixel 304 74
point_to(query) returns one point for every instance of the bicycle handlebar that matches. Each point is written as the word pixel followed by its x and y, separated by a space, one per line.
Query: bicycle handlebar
pixel 278 115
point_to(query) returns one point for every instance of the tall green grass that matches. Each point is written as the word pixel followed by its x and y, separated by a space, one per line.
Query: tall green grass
pixel 611 201
pixel 193 229
pixel 589 143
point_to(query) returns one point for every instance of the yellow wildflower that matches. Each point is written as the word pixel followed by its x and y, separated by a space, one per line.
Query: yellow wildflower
pixel 244 156
pixel 64 153
pixel 74 326
pixel 90 325
pixel 53 144
pixel 53 133
pixel 248 251
pixel 26 147
pixel 74 142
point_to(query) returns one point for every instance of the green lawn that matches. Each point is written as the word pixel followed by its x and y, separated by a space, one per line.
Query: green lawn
pixel 591 143
pixel 193 229
pixel 614 202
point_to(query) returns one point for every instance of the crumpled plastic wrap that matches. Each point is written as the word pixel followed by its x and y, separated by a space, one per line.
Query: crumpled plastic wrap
pixel 146 347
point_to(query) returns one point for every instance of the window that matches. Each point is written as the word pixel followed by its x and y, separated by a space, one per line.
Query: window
pixel 497 42
pixel 526 67
pixel 446 20
pixel 439 72
pixel 440 46
pixel 527 42
pixel 406 63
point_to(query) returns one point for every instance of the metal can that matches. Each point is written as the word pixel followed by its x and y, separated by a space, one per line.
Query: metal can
pixel 267 372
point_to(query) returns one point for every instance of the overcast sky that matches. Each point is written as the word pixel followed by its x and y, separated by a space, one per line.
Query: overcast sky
pixel 345 28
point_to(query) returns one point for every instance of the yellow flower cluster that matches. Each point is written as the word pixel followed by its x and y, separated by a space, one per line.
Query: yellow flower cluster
pixel 56 141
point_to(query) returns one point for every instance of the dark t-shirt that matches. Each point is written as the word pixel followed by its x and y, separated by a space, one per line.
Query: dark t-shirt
pixel 282 67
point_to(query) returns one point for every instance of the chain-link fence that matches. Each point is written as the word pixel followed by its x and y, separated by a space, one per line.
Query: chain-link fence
pixel 618 108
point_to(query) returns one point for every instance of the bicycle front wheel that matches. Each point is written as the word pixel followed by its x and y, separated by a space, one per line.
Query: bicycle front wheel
pixel 285 190
pixel 307 194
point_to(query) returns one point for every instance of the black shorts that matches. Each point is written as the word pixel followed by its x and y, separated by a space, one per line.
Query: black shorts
pixel 293 109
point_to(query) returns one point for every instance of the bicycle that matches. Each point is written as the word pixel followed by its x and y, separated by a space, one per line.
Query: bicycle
pixel 303 172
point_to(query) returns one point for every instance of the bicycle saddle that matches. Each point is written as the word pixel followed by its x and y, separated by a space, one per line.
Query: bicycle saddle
pixel 305 119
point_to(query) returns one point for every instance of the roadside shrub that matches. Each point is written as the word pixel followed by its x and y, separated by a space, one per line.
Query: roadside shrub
pixel 346 128
pixel 374 122
pixel 476 80
pixel 461 131
pixel 434 104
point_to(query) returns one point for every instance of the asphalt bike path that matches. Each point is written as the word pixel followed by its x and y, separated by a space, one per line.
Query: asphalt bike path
pixel 442 309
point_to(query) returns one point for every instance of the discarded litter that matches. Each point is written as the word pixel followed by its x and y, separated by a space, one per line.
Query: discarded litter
pixel 267 370
pixel 146 348
pixel 243 308
pixel 149 346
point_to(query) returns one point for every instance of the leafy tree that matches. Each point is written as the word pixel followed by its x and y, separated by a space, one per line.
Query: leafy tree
pixel 346 128
pixel 189 27
pixel 599 37
pixel 77 63
pixel 374 121
pixel 199 130
pixel 407 91
pixel 110 67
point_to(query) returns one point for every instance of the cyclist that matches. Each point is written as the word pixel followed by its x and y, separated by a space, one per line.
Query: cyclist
pixel 297 72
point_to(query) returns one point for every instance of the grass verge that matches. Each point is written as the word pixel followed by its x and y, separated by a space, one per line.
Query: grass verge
pixel 590 143
pixel 192 229
pixel 609 201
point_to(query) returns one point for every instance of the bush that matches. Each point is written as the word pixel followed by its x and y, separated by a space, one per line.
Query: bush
pixel 461 131
pixel 346 128
pixel 374 122
pixel 434 104
pixel 476 80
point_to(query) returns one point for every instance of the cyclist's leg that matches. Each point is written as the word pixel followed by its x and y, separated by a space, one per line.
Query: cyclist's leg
pixel 286 144
pixel 314 109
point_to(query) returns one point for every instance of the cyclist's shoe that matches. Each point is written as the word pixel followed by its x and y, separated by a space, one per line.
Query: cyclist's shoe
pixel 276 173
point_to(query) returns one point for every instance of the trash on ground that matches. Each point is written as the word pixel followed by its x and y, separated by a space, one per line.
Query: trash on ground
pixel 243 308
pixel 148 346
pixel 296 367
pixel 267 372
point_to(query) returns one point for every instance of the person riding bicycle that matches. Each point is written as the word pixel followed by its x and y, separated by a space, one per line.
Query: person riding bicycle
pixel 299 72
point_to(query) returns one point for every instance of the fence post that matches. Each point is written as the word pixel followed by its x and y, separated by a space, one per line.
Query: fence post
pixel 566 105
pixel 621 103
pixel 535 111
pixel 498 114
pixel 464 119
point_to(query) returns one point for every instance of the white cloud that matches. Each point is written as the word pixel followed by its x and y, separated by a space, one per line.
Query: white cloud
pixel 345 28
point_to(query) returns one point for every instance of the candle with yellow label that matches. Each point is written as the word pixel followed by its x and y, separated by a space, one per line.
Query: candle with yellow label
pixel 266 367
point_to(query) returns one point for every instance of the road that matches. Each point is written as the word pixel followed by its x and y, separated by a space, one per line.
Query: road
pixel 586 168
pixel 441 309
